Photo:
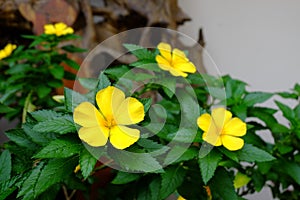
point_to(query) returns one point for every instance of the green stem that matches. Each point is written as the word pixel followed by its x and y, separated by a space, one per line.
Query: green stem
pixel 26 105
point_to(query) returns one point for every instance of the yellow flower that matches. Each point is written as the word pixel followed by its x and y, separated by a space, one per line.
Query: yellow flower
pixel 77 168
pixel 175 62
pixel 8 49
pixel 221 129
pixel 181 198
pixel 58 29
pixel 115 112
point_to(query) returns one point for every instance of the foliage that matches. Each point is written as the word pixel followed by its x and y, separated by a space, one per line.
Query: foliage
pixel 46 158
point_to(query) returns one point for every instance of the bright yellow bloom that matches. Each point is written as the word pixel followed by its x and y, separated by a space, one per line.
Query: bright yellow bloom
pixel 181 198
pixel 77 168
pixel 8 49
pixel 174 61
pixel 115 112
pixel 221 129
pixel 58 29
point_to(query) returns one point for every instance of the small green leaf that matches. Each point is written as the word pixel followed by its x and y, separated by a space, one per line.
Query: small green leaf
pixel 124 177
pixel 89 83
pixel 140 52
pixel 5 108
pixel 73 99
pixel 73 49
pixel 71 63
pixel 240 180
pixel 61 125
pixel 292 169
pixel 43 115
pixel 169 86
pixel 87 162
pixel 5 166
pixel 180 153
pixel 103 81
pixel 57 71
pixel 250 153
pixel 43 91
pixel 287 112
pixel 256 97
pixel 60 148
pixel 209 164
pixel 171 179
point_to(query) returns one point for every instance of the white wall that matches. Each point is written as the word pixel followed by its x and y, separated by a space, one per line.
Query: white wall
pixel 256 41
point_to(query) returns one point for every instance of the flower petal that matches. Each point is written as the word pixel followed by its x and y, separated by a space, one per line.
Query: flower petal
pixel 232 143
pixel 94 136
pixel 130 111
pixel 122 137
pixel 179 56
pixel 204 122
pixel 212 139
pixel 177 72
pixel 108 100
pixel 220 117
pixel 163 63
pixel 185 67
pixel 235 127
pixel 165 50
pixel 86 115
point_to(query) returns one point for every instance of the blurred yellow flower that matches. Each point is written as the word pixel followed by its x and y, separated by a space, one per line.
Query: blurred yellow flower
pixel 8 49
pixel 174 61
pixel 115 112
pixel 58 29
pixel 181 198
pixel 77 168
pixel 221 129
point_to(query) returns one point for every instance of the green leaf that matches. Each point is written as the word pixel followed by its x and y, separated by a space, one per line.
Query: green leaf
pixel 43 91
pixel 57 71
pixel 128 161
pixel 292 169
pixel 169 86
pixel 43 115
pixel 287 112
pixel 5 108
pixel 36 137
pixel 209 164
pixel 230 154
pixel 250 153
pixel 256 97
pixel 140 52
pixel 87 162
pixel 235 89
pixel 171 179
pixel 178 154
pixel 117 71
pixel 124 177
pixel 240 111
pixel 71 63
pixel 89 83
pixel 73 49
pixel 60 148
pixel 73 99
pixel 45 175
pixel 147 103
pixel 61 125
pixel 146 64
pixel 218 93
pixel 240 180
pixel 5 166
pixel 222 186
pixel 103 81
pixel 20 137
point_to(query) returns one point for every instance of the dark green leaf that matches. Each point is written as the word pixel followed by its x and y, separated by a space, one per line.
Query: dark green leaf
pixel 179 154
pixel 71 63
pixel 256 97
pixel 60 148
pixel 44 115
pixel 5 166
pixel 61 125
pixel 147 103
pixel 5 109
pixel 171 179
pixel 146 64
pixel 20 137
pixel 57 71
pixel 140 52
pixel 287 112
pixel 73 49
pixel 43 91
pixel 209 164
pixel 240 111
pixel 292 169
pixel 87 162
pixel 124 177
pixel 250 153
pixel 169 86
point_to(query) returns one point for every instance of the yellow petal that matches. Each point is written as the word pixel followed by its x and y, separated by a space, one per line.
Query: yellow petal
pixel 163 63
pixel 2 54
pixel 179 56
pixel 165 50
pixel 49 29
pixel 86 115
pixel 68 30
pixel 122 137
pixel 186 67
pixel 235 127
pixel 232 143
pixel 109 99
pixel 204 122
pixel 220 117
pixel 60 26
pixel 130 111
pixel 177 72
pixel 212 138
pixel 94 136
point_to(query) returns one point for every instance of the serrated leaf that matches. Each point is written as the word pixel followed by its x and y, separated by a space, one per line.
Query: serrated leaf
pixel 89 83
pixel 5 166
pixel 125 177
pixel 43 115
pixel 103 81
pixel 256 97
pixel 60 148
pixel 20 137
pixel 46 175
pixel 87 163
pixel 251 153
pixel 36 137
pixel 209 164
pixel 179 154
pixel 61 125
pixel 146 64
pixel 222 186
pixel 171 179
pixel 139 52
pixel 128 161
pixel 73 99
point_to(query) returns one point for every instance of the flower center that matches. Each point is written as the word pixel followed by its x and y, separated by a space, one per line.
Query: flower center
pixel 110 122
